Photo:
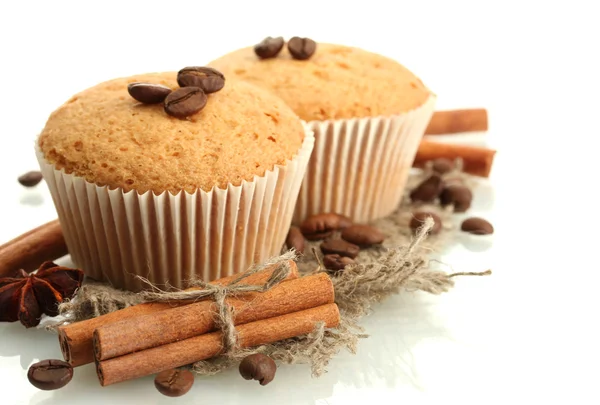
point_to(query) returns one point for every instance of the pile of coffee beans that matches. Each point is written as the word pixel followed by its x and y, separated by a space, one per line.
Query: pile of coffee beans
pixel 433 189
pixel 339 251
pixel 195 83
pixel 299 48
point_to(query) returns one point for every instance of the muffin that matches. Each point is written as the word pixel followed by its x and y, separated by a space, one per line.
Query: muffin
pixel 368 114
pixel 140 192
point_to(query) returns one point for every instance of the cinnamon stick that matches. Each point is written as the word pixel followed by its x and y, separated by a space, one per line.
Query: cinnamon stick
pixel 172 325
pixel 209 345
pixel 455 121
pixel 476 160
pixel 32 248
pixel 76 339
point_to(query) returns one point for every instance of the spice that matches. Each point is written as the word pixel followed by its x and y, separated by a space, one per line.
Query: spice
pixel 27 296
pixel 476 160
pixel 455 121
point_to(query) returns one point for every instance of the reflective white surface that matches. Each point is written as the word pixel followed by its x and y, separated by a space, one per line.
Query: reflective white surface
pixel 527 334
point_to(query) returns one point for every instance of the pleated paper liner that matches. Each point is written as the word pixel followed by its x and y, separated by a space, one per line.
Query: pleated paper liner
pixel 114 235
pixel 359 167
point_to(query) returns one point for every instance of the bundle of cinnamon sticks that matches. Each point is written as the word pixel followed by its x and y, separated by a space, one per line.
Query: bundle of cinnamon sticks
pixel 149 338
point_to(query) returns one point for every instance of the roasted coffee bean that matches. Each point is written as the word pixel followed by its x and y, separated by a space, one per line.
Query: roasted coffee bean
pixel 258 367
pixel 321 226
pixel 418 219
pixel 269 47
pixel 442 165
pixel 362 235
pixel 477 226
pixel 340 247
pixel 30 179
pixel 174 383
pixel 185 101
pixel 301 48
pixel 295 239
pixel 148 93
pixel 459 196
pixel 337 262
pixel 50 374
pixel 428 190
pixel 208 79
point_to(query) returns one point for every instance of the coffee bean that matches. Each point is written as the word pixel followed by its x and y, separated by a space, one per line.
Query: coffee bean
pixel 30 179
pixel 428 190
pixel 321 226
pixel 442 165
pixel 336 262
pixel 363 235
pixel 459 196
pixel 174 383
pixel 185 101
pixel 477 226
pixel 295 239
pixel 269 47
pixel 301 48
pixel 340 247
pixel 148 93
pixel 50 374
pixel 208 79
pixel 258 367
pixel 418 219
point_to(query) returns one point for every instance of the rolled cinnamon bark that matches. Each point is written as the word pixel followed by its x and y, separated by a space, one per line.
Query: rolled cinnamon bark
pixel 476 160
pixel 76 339
pixel 172 325
pixel 32 248
pixel 209 345
pixel 455 121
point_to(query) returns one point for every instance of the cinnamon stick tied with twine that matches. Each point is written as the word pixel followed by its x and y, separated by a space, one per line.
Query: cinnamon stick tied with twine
pixel 32 248
pixel 209 345
pixel 248 303
pixel 76 339
pixel 228 340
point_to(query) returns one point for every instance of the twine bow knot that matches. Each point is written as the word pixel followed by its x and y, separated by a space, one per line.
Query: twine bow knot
pixel 224 316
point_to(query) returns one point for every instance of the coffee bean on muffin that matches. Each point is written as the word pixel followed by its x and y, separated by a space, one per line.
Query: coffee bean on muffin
pixel 363 235
pixel 185 101
pixel 208 79
pixel 295 239
pixel 418 219
pixel 301 48
pixel 336 262
pixel 269 47
pixel 148 93
pixel 477 226
pixel 321 226
pixel 340 247
pixel 428 190
pixel 457 195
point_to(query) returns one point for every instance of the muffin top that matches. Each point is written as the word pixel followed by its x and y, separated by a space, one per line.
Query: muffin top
pixel 107 137
pixel 336 82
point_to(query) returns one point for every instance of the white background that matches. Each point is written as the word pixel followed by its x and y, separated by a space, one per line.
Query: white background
pixel 525 335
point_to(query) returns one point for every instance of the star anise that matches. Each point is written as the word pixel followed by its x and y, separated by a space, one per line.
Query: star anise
pixel 26 297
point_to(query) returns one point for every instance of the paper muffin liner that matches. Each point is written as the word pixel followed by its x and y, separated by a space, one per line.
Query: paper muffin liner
pixel 359 167
pixel 114 235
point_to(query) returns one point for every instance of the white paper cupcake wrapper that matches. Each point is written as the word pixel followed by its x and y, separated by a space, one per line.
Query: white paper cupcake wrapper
pixel 114 235
pixel 359 167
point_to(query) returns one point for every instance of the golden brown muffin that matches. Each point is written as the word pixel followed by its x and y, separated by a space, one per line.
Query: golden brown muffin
pixel 336 82
pixel 107 137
